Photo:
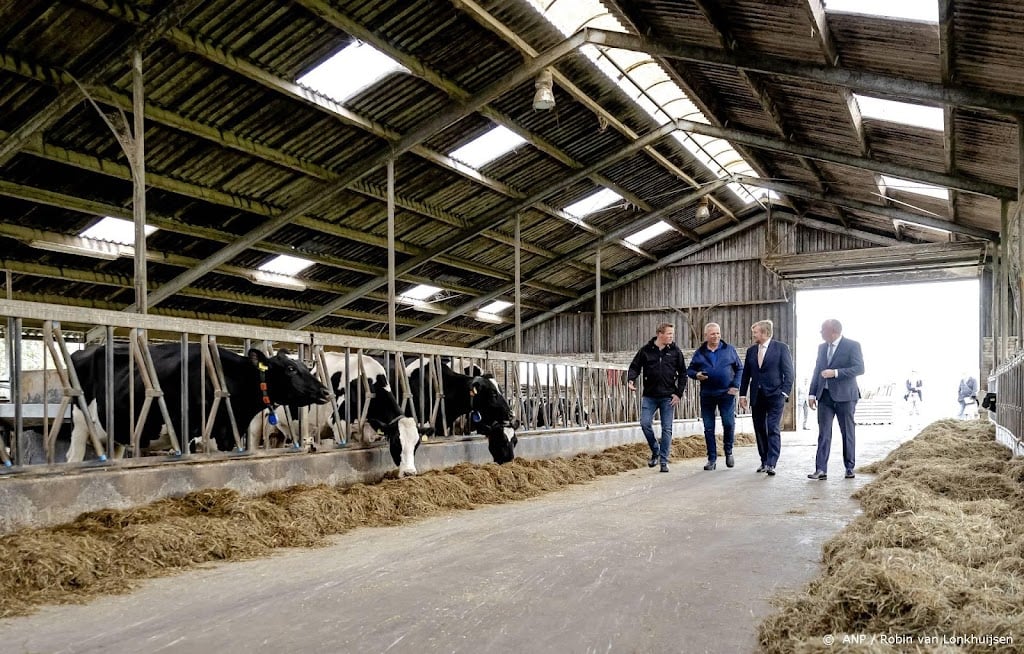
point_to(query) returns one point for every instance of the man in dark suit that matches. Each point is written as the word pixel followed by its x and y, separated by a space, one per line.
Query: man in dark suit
pixel 768 374
pixel 834 391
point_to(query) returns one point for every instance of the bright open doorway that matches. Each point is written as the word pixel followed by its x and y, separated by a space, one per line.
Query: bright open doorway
pixel 928 327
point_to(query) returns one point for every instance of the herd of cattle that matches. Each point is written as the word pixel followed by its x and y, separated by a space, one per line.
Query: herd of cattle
pixel 267 391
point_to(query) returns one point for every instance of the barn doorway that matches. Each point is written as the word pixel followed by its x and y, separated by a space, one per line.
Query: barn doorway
pixel 931 328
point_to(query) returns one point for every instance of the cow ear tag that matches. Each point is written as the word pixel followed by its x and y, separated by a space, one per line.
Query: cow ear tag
pixel 272 418
pixel 475 416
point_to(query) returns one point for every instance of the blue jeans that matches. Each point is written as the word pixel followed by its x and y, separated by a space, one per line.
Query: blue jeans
pixel 666 412
pixel 726 406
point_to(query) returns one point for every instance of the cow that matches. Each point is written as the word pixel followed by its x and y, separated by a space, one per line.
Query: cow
pixel 253 381
pixel 477 396
pixel 369 387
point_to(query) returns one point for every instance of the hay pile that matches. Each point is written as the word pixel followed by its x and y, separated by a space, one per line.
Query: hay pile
pixel 938 553
pixel 107 551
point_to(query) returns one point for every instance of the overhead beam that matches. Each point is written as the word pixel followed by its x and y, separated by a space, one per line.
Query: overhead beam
pixel 490 220
pixel 864 163
pixel 490 22
pixel 946 63
pixel 888 85
pixel 682 253
pixel 888 212
pixel 584 250
pixel 152 29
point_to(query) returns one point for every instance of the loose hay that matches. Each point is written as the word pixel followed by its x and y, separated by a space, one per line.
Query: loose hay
pixel 108 551
pixel 939 552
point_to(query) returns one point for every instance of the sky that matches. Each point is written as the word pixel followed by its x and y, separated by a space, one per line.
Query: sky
pixel 931 328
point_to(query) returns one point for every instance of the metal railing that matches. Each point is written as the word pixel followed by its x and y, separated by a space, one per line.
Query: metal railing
pixel 1007 382
pixel 544 393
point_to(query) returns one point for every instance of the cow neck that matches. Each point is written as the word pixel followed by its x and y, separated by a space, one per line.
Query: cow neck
pixel 271 407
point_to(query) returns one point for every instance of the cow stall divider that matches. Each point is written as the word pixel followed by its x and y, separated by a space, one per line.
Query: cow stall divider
pixel 211 366
pixel 53 339
pixel 142 357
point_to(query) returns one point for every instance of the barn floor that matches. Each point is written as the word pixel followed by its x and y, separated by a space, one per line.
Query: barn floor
pixel 639 562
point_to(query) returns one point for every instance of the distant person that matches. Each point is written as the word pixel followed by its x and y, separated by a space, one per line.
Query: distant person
pixel 768 375
pixel 716 365
pixel 834 393
pixel 801 399
pixel 967 393
pixel 914 395
pixel 663 367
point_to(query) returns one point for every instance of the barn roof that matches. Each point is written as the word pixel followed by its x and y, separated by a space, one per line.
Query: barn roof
pixel 671 105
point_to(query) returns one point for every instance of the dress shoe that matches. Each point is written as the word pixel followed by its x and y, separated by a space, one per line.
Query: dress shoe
pixel 763 468
pixel 849 474
pixel 664 467
pixel 729 461
pixel 710 465
pixel 770 471
pixel 818 474
pixel 653 461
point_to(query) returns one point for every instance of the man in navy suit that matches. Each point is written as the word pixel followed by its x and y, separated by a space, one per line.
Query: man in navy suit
pixel 834 391
pixel 768 374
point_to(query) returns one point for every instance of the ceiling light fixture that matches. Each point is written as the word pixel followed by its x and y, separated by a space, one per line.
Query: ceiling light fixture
pixel 544 98
pixel 86 247
pixel 264 278
pixel 703 209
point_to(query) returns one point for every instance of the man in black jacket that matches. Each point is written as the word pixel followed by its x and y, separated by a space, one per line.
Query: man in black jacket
pixel 664 374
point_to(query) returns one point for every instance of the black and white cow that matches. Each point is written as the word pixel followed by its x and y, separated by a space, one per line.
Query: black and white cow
pixel 367 385
pixel 287 381
pixel 477 396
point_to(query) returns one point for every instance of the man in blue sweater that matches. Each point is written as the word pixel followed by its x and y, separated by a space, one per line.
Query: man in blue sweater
pixel 717 366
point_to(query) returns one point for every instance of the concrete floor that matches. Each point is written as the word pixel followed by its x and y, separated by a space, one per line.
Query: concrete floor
pixel 639 562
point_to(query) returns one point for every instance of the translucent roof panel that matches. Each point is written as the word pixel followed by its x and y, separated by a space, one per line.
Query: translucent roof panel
pixel 286 265
pixel 115 230
pixel 351 70
pixel 592 203
pixel 648 233
pixel 421 292
pixel 644 80
pixel 487 148
pixel 923 10
pixel 495 307
pixel 900 112
pixel 898 184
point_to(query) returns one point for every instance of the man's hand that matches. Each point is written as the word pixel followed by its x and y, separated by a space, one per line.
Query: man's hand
pixel 734 391
pixel 675 400
pixel 813 403
pixel 700 376
pixel 632 386
pixel 829 373
pixel 743 403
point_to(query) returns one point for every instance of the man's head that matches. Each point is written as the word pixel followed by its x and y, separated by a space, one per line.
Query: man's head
pixel 831 329
pixel 666 334
pixel 761 331
pixel 712 334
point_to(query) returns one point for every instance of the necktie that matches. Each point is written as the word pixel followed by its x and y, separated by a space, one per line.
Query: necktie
pixel 831 351
pixel 760 354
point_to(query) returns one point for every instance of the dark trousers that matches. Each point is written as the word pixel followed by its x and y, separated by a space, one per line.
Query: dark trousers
pixel 827 410
pixel 767 415
pixel 726 406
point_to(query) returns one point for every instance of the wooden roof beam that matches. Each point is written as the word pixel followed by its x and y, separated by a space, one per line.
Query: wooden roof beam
pixel 947 45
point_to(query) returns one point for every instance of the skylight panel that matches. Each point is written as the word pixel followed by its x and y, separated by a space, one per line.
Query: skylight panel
pixel 909 186
pixel 496 307
pixel 350 71
pixel 900 112
pixel 644 235
pixel 923 10
pixel 115 230
pixel 637 74
pixel 420 292
pixel 488 147
pixel 592 203
pixel 286 265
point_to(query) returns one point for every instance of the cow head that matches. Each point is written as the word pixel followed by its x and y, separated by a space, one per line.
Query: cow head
pixel 288 381
pixel 492 417
pixel 386 415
